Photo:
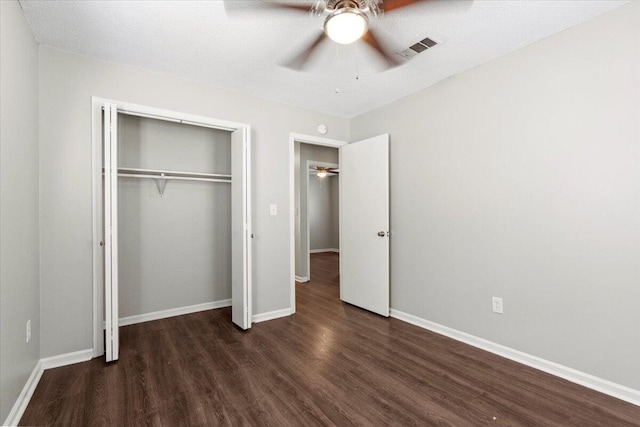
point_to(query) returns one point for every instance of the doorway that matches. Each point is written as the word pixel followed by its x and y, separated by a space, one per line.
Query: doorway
pixel 322 229
pixel 316 153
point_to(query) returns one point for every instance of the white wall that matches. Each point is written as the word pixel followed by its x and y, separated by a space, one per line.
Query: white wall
pixel 520 179
pixel 303 153
pixel 67 83
pixel 322 221
pixel 19 264
pixel 174 250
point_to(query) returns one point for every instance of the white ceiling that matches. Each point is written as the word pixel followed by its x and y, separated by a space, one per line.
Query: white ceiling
pixel 238 47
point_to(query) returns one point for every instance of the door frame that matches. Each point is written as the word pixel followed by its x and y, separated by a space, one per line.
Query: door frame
pixel 308 230
pixel 305 139
pixel 96 191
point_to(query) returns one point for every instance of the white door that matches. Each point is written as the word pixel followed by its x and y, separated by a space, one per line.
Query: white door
pixel 110 204
pixel 241 229
pixel 364 224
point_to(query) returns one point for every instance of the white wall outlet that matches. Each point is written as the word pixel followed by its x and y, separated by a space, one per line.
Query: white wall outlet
pixel 273 210
pixel 28 330
pixel 496 303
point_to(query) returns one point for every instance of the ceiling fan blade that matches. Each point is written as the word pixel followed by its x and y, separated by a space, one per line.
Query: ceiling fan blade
pixel 239 5
pixel 298 61
pixel 451 6
pixel 389 5
pixel 389 57
pixel 291 6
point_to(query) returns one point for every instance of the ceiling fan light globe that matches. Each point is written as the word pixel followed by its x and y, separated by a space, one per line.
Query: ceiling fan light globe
pixel 346 25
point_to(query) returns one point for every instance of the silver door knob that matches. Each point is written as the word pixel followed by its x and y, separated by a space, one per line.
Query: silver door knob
pixel 381 233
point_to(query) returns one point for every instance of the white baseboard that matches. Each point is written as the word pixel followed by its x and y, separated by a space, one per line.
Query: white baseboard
pixel 25 396
pixel 67 359
pixel 30 386
pixel 256 318
pixel 302 279
pixel 163 314
pixel 587 380
pixel 317 251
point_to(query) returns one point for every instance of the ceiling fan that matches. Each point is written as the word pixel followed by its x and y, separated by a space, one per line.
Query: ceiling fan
pixel 322 172
pixel 346 21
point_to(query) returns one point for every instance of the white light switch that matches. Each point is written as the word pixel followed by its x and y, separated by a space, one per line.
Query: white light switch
pixel 273 209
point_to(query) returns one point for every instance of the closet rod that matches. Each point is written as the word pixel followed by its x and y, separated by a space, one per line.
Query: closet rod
pixel 190 174
pixel 165 177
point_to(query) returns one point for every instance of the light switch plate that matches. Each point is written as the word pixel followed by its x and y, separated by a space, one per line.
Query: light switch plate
pixel 496 303
pixel 273 209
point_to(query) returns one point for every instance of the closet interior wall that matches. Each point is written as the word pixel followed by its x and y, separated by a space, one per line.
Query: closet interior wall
pixel 174 249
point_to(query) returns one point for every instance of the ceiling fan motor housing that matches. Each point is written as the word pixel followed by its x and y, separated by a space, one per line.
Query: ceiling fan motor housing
pixel 354 4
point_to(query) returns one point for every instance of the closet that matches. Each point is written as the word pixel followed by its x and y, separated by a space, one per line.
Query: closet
pixel 175 217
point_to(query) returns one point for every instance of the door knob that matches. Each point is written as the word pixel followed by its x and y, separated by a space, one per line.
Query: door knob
pixel 381 233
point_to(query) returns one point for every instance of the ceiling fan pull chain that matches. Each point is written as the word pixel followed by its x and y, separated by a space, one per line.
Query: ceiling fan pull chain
pixel 337 69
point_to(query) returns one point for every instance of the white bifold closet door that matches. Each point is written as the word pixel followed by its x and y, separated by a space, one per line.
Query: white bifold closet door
pixel 240 224
pixel 240 229
pixel 110 204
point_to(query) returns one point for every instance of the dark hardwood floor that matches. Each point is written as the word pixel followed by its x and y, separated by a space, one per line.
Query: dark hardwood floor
pixel 329 364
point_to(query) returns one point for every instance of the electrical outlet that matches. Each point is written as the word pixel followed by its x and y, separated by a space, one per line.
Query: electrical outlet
pixel 496 303
pixel 28 330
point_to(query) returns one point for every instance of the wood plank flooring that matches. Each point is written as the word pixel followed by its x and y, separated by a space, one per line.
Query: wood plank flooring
pixel 329 364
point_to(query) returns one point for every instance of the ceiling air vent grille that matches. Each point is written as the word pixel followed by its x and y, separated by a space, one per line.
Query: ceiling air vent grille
pixel 417 48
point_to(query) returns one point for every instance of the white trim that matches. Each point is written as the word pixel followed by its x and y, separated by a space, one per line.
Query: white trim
pixel 316 140
pixel 163 314
pixel 587 380
pixel 306 139
pixel 25 396
pixel 276 314
pixel 302 279
pixel 170 115
pixel 97 224
pixel 172 312
pixel 318 251
pixel 66 359
pixel 30 386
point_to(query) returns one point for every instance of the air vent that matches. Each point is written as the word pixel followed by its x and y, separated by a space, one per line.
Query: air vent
pixel 417 48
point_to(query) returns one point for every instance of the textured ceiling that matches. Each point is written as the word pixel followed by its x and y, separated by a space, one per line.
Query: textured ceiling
pixel 239 45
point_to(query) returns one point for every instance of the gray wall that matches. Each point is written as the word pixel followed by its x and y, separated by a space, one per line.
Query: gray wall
pixel 19 264
pixel 303 153
pixel 175 250
pixel 334 184
pixel 519 179
pixel 323 223
pixel 67 83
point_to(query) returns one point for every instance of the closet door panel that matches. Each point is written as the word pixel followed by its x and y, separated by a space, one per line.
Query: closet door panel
pixel 110 203
pixel 240 229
